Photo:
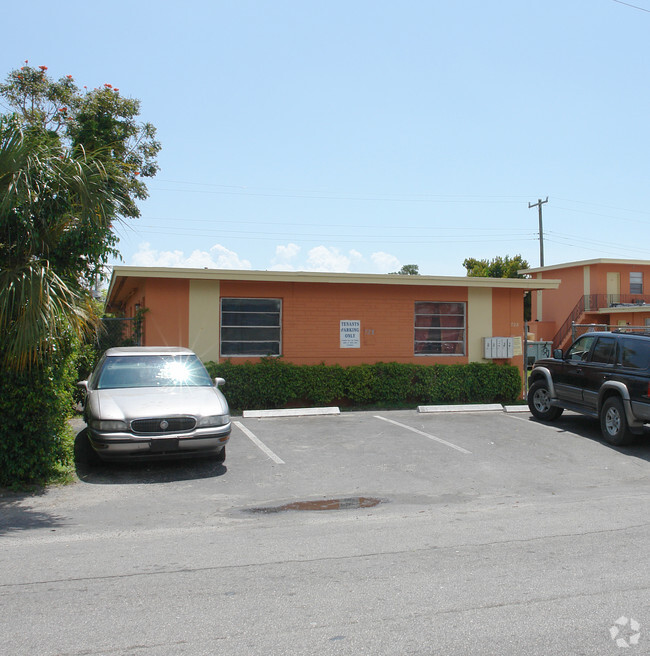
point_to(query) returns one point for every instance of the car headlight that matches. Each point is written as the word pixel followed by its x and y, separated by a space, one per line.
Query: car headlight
pixel 108 426
pixel 214 420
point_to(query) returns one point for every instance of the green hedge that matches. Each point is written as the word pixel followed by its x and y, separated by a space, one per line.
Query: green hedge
pixel 273 383
pixel 35 441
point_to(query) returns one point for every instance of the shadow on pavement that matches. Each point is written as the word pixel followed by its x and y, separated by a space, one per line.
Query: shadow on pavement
pixel 14 516
pixel 589 428
pixel 90 469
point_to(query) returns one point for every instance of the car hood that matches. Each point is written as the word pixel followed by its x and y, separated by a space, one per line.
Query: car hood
pixel 150 402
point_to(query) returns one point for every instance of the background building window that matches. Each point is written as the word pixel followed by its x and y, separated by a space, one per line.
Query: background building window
pixel 250 326
pixel 636 283
pixel 439 328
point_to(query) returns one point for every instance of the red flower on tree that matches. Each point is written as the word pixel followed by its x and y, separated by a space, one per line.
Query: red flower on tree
pixel 43 68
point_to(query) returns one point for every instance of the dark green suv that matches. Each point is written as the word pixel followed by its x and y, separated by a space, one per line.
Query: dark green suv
pixel 604 375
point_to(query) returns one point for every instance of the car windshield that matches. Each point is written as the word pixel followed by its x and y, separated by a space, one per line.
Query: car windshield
pixel 152 371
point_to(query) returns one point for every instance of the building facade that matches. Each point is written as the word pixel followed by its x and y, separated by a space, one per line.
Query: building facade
pixel 313 318
pixel 603 292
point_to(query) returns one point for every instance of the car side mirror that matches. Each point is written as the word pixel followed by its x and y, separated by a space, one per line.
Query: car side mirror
pixel 219 381
pixel 83 384
pixel 558 355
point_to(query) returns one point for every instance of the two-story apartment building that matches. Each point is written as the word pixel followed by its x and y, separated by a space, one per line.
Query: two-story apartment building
pixel 607 292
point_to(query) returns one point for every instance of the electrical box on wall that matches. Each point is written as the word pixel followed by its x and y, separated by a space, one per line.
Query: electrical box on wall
pixel 498 348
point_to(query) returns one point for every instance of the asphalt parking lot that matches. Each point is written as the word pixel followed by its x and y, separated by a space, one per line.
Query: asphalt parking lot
pixel 363 533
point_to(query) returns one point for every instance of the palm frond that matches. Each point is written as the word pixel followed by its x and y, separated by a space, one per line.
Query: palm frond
pixel 38 313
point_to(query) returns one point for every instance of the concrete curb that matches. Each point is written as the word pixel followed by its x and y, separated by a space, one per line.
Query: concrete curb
pixel 290 412
pixel 467 407
pixel 516 408
pixel 319 412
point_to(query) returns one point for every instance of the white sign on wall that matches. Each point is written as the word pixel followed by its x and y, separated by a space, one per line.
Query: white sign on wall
pixel 350 333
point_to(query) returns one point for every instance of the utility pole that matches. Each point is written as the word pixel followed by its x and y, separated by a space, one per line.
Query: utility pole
pixel 539 204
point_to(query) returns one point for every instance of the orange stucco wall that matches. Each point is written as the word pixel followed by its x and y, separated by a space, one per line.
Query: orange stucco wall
pixel 558 304
pixel 166 322
pixel 312 312
pixel 599 277
pixel 311 315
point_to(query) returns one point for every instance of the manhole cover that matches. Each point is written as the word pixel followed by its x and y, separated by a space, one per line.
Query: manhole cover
pixel 323 504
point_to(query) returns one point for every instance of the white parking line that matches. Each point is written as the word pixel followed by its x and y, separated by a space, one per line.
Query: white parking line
pixel 419 432
pixel 531 420
pixel 258 443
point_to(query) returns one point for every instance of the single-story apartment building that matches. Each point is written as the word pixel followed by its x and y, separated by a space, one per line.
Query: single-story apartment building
pixel 330 318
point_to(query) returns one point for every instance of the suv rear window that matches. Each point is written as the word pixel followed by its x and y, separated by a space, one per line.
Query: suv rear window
pixel 635 353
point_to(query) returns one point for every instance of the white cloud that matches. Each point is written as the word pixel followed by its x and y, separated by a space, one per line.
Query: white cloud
pixel 286 253
pixel 385 262
pixel 227 259
pixel 288 257
pixel 329 259
pixel 218 257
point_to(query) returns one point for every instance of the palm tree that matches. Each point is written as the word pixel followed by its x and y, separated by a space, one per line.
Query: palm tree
pixel 56 214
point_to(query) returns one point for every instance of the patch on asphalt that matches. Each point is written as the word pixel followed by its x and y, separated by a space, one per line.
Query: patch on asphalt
pixel 346 503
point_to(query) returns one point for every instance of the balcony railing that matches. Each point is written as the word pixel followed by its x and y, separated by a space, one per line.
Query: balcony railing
pixel 594 302
pixel 601 301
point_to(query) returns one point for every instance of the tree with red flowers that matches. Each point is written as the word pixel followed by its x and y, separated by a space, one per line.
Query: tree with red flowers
pixel 72 163
pixel 100 120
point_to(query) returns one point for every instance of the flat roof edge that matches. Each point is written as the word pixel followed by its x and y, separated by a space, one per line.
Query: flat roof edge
pixel 579 263
pixel 323 277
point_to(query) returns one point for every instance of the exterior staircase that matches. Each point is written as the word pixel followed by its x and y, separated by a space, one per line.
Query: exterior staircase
pixel 592 303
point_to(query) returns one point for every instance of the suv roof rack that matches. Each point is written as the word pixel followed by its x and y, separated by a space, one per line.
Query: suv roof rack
pixel 623 331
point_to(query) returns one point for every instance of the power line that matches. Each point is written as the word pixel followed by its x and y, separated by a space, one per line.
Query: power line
pixel 627 4
pixel 350 197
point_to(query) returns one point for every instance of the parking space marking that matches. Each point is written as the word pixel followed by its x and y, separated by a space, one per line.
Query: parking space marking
pixel 531 420
pixel 419 432
pixel 258 443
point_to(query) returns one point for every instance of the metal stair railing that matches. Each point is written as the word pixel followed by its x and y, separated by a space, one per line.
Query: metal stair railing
pixel 595 302
pixel 565 328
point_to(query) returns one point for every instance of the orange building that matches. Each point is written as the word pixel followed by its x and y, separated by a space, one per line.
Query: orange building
pixel 605 292
pixel 331 318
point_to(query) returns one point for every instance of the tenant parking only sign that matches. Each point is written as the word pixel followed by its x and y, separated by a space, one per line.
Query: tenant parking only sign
pixel 350 333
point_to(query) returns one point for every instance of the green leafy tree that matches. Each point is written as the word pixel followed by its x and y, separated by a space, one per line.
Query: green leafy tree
pixel 498 267
pixel 47 198
pixel 408 270
pixel 72 164
pixel 100 122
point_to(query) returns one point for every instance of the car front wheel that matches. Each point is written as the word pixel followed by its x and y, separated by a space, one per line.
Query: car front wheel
pixel 613 422
pixel 539 402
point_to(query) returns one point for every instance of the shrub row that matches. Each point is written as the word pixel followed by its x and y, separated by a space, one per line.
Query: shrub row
pixel 273 383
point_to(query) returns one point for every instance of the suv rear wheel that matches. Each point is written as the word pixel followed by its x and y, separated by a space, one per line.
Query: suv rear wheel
pixel 613 422
pixel 539 402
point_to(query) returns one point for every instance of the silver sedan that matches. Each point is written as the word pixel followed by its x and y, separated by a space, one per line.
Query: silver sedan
pixel 147 402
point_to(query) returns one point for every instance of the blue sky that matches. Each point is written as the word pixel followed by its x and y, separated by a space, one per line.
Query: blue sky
pixel 361 136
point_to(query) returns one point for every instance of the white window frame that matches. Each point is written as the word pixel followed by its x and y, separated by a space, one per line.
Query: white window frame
pixel 463 329
pixel 254 353
pixel 636 282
